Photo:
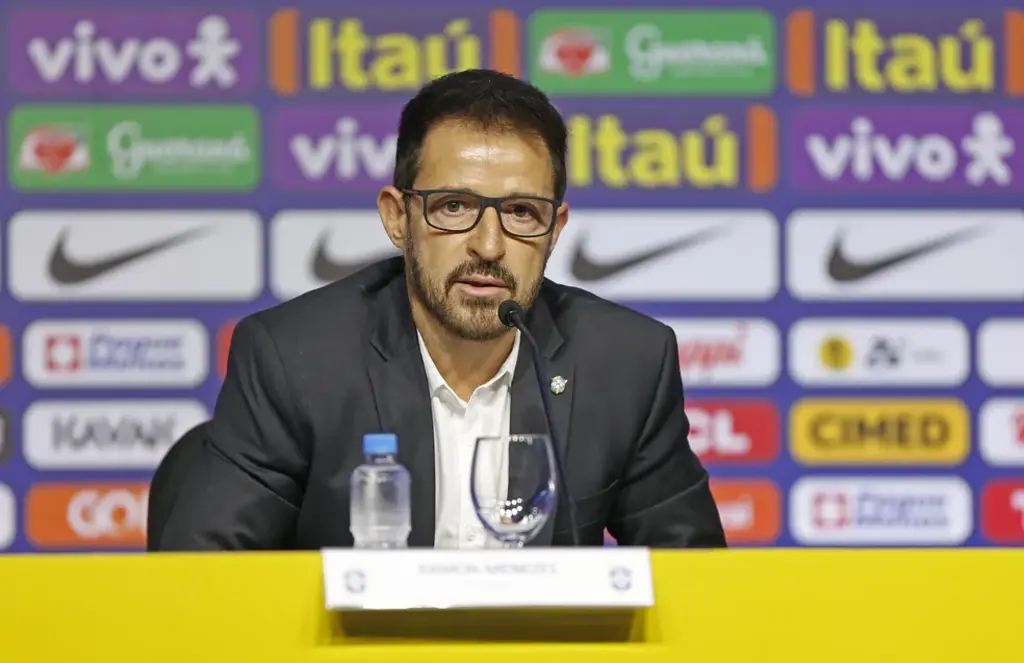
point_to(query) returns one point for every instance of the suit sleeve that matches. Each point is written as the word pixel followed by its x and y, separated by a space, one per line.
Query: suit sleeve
pixel 244 490
pixel 665 500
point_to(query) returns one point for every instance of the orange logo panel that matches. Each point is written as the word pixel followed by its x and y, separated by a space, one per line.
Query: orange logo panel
pixel 223 346
pixel 751 510
pixel 6 355
pixel 87 515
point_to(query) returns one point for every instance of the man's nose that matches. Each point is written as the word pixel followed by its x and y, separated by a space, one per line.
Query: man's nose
pixel 487 240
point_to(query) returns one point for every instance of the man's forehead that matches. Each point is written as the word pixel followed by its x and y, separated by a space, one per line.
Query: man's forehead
pixel 455 133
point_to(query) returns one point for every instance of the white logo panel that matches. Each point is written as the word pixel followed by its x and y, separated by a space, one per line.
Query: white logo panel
pixel 135 255
pixel 881 511
pixel 879 352
pixel 741 352
pixel 107 434
pixel 900 255
pixel 8 517
pixel 309 249
pixel 665 255
pixel 5 435
pixel 1001 434
pixel 115 353
pixel 1001 352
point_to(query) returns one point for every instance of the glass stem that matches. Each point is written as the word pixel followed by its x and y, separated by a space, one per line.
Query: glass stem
pixel 512 542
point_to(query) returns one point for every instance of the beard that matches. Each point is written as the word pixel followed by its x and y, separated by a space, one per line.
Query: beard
pixel 468 318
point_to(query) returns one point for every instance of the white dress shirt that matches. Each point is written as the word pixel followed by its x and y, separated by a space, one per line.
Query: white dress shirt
pixel 457 425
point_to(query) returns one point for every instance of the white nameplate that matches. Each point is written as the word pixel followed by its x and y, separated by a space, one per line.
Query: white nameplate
pixel 617 577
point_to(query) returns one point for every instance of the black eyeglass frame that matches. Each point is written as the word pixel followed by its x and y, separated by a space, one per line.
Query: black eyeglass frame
pixel 486 202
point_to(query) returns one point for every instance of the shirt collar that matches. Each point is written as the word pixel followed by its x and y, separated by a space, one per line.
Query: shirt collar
pixel 437 383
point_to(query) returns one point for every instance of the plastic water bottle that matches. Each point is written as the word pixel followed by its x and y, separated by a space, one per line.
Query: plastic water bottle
pixel 380 496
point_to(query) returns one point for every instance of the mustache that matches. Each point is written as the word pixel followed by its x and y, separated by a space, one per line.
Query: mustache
pixel 494 270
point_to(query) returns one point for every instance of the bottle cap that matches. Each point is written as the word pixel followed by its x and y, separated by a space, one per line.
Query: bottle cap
pixel 380 443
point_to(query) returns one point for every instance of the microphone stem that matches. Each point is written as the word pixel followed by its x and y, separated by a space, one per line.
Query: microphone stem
pixel 563 476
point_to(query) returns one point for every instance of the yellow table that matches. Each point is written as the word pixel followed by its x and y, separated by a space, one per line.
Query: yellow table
pixel 737 605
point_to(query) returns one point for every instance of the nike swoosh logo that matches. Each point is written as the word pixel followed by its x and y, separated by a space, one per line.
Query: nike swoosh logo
pixel 67 271
pixel 844 270
pixel 585 269
pixel 326 270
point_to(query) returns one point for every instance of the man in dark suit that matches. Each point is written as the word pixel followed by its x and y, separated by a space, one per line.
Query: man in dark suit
pixel 414 346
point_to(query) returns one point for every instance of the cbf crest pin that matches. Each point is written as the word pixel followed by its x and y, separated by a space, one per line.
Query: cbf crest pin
pixel 558 384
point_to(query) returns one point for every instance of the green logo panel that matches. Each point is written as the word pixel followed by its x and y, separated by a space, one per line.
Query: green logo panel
pixel 653 53
pixel 133 148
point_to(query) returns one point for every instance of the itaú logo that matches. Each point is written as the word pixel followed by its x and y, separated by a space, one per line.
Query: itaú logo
pixel 112 514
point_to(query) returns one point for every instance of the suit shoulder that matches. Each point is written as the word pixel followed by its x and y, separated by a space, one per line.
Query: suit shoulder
pixel 342 302
pixel 578 311
pixel 341 306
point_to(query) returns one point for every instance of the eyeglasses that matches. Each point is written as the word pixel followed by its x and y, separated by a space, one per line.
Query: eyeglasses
pixel 460 211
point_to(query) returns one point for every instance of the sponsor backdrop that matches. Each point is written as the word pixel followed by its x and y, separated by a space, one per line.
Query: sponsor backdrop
pixel 823 200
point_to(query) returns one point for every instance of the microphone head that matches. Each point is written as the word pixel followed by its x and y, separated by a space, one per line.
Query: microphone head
pixel 508 311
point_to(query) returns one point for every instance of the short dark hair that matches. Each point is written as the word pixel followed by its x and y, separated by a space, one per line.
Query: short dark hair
pixel 489 99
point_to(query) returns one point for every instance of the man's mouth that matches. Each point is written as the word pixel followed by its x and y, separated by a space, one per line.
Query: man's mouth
pixel 481 285
pixel 484 282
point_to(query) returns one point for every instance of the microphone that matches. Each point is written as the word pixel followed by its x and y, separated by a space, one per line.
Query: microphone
pixel 511 315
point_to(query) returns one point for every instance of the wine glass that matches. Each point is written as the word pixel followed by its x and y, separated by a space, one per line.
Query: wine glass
pixel 513 487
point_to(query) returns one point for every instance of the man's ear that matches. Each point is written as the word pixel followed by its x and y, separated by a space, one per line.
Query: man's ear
pixel 561 218
pixel 391 207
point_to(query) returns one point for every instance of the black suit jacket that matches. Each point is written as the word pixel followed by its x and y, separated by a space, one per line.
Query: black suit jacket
pixel 308 378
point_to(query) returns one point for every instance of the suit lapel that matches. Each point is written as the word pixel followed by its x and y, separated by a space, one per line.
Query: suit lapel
pixel 527 411
pixel 399 384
